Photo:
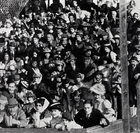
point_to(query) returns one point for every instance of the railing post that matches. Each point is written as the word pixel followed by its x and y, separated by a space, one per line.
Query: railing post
pixel 138 103
pixel 124 67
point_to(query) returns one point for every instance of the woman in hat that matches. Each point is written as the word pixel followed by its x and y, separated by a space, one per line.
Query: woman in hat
pixel 13 116
pixel 101 103
pixel 109 54
pixel 56 110
pixel 78 81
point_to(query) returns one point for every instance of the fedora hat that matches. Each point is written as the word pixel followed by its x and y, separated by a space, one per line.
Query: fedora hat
pixel 12 102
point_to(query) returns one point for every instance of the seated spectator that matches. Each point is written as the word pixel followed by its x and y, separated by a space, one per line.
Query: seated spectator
pixel 56 110
pixel 102 104
pixel 27 107
pixel 40 116
pixel 89 116
pixel 13 116
pixel 3 101
pixel 68 123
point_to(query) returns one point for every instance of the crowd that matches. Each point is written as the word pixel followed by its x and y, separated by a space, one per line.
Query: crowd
pixel 60 66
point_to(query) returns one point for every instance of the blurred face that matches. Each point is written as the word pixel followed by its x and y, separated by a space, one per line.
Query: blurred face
pixel 98 77
pixel 56 113
pixel 34 63
pixel 133 63
pixel 49 38
pixel 86 62
pixel 59 68
pixel 88 108
pixel 30 100
pixel 72 30
pixel 97 97
pixel 107 50
pixel 77 98
pixel 39 107
pixel 6 57
pixel 35 40
pixel 11 88
pixel 71 18
pixel 13 110
pixel 78 37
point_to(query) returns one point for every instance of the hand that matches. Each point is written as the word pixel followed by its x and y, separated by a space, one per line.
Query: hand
pixel 16 122
pixel 137 76
pixel 103 122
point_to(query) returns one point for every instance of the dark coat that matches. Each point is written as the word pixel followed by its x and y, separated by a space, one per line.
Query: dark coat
pixel 93 120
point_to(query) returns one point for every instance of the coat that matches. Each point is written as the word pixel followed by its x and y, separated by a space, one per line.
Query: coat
pixel 6 119
pixel 93 120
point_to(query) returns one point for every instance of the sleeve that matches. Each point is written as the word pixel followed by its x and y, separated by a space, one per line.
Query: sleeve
pixel 79 118
pixel 22 119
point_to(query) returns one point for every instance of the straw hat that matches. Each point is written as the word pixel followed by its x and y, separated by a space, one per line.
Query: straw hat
pixel 98 89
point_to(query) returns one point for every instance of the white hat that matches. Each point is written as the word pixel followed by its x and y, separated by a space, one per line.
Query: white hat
pixel 98 89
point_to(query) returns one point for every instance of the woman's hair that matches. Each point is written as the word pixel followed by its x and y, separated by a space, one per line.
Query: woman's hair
pixel 89 101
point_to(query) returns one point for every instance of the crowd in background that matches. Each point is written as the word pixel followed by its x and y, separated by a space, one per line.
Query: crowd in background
pixel 59 63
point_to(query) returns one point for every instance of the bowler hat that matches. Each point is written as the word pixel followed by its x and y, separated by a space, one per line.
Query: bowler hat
pixel 134 58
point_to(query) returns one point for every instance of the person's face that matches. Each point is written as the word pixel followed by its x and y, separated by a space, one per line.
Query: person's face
pixel 86 62
pixel 6 57
pixel 86 37
pixel 72 30
pixel 47 55
pixel 133 63
pixel 78 37
pixel 13 110
pixel 59 68
pixel 71 18
pixel 11 87
pixel 64 41
pixel 97 97
pixel 98 77
pixel 117 40
pixel 72 62
pixel 34 54
pixel 95 45
pixel 55 113
pixel 34 64
pixel 78 80
pixel 35 40
pixel 107 50
pixel 30 100
pixel 88 108
pixel 114 14
pixel 39 107
pixel 49 38
pixel 135 16
pixel 77 98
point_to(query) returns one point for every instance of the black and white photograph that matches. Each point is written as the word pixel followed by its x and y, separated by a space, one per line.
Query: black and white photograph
pixel 69 66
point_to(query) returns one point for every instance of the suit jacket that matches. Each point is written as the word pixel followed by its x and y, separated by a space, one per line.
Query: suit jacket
pixel 93 120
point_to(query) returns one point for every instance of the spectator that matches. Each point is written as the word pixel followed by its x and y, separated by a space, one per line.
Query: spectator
pixel 89 116
pixel 13 116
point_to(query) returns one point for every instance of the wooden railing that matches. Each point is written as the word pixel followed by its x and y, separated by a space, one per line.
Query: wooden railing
pixel 115 127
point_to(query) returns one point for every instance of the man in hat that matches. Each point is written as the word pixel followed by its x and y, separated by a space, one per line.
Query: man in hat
pixel 89 116
pixel 13 116
pixel 133 73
